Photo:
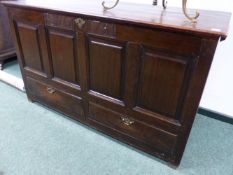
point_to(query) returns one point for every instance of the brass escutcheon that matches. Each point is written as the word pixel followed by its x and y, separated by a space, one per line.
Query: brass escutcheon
pixel 80 22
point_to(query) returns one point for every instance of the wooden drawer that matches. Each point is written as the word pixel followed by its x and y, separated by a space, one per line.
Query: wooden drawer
pixel 60 21
pixel 81 24
pixel 153 137
pixel 101 28
pixel 164 40
pixel 62 101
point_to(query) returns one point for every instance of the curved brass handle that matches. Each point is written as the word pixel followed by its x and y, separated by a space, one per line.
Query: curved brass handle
pixel 51 90
pixel 194 18
pixel 108 8
pixel 127 121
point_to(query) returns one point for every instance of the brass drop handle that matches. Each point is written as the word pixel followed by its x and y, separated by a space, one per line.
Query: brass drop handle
pixel 51 90
pixel 127 121
pixel 80 22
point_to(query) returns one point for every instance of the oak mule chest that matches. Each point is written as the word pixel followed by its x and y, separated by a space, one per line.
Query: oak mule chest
pixel 136 72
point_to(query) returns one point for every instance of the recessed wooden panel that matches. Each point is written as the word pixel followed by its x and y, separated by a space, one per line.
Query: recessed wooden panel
pixel 64 62
pixel 106 67
pixel 161 81
pixel 29 38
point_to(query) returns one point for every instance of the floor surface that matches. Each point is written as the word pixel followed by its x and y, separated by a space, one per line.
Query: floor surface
pixel 12 68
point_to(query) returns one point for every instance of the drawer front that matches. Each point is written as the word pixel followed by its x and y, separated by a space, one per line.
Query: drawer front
pixel 55 98
pixel 101 28
pixel 95 27
pixel 153 137
pixel 165 40
pixel 81 24
pixel 60 21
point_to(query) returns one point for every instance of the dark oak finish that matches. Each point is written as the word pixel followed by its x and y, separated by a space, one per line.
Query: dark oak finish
pixel 136 78
pixel 6 45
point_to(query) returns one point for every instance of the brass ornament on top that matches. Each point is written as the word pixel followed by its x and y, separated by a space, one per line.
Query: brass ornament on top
pixel 164 3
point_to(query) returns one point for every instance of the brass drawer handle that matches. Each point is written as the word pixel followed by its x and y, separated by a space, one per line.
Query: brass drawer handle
pixel 51 90
pixel 80 22
pixel 127 121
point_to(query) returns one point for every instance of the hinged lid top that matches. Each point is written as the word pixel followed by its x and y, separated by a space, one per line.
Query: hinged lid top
pixel 212 23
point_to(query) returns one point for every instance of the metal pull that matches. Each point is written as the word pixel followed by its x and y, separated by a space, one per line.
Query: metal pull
pixel 80 22
pixel 127 121
pixel 51 90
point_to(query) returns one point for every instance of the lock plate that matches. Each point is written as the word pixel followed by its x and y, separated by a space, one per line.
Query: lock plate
pixel 80 22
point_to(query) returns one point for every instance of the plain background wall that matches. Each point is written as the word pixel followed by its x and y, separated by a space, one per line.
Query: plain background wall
pixel 218 93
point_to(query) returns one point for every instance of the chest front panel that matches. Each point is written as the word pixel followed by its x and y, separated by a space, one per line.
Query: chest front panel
pixel 129 81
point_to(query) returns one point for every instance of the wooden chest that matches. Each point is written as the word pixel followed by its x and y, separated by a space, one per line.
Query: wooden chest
pixel 136 73
pixel 6 45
